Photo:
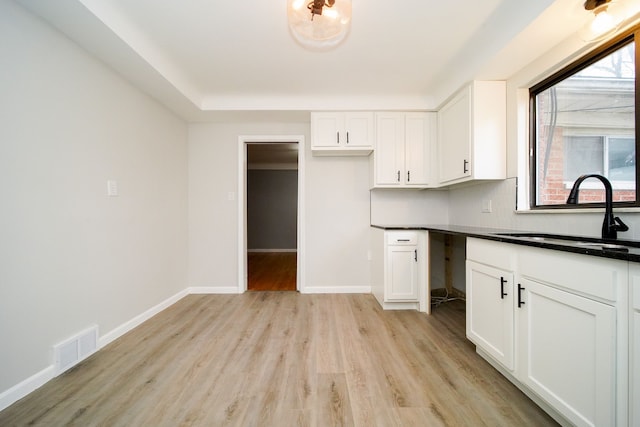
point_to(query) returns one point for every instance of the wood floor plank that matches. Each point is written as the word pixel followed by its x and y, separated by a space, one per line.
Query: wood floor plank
pixel 283 359
pixel 329 350
pixel 271 271
pixel 333 407
pixel 370 398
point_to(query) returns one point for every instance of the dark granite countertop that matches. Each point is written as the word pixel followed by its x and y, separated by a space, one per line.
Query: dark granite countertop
pixel 574 244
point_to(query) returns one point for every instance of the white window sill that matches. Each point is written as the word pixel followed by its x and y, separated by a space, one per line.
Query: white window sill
pixel 575 211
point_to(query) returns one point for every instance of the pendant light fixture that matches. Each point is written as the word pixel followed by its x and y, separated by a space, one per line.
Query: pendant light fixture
pixel 319 24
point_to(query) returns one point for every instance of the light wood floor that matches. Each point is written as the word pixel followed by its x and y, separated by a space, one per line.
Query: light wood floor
pixel 271 271
pixel 283 359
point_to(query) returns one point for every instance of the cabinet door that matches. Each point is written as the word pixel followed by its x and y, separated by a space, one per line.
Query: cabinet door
pixel 490 314
pixel 566 352
pixel 417 148
pixel 402 273
pixel 358 130
pixel 634 345
pixel 325 129
pixel 389 151
pixel 454 138
pixel 634 404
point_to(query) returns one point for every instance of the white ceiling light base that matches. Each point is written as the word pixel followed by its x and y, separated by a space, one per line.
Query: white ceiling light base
pixel 319 31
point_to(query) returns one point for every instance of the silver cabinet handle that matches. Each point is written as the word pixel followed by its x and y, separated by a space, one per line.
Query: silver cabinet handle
pixel 338 137
pixel 347 137
pixel 398 176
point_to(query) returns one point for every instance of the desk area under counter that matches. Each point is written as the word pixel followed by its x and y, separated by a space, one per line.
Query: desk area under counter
pixel 439 259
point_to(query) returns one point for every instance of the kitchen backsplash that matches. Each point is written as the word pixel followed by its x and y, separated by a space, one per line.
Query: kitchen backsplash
pixel 466 208
pixel 486 204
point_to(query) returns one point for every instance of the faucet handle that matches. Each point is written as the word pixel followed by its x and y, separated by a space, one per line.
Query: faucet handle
pixel 620 226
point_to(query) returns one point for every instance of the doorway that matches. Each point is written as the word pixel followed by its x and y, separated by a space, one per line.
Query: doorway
pixel 270 192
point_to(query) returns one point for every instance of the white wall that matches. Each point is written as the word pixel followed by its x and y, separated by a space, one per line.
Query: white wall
pixel 409 207
pixel 336 215
pixel 69 255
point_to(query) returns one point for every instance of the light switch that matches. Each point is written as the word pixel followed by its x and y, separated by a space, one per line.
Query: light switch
pixel 112 188
pixel 231 195
pixel 486 206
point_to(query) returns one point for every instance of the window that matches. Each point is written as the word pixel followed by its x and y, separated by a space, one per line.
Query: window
pixel 584 122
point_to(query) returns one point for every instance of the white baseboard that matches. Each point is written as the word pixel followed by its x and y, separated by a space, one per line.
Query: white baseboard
pixel 18 391
pixel 336 290
pixel 213 290
pixel 136 321
pixel 37 380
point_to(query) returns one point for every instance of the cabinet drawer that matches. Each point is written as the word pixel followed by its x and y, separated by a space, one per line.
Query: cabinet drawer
pixel 402 238
pixel 586 275
pixel 492 253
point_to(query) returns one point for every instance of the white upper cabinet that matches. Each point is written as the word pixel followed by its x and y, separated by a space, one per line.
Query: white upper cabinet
pixel 402 154
pixel 472 134
pixel 342 133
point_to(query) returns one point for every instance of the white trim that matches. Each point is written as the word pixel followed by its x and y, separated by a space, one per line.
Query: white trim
pixel 597 185
pixel 20 390
pixel 242 204
pixel 272 250
pixel 337 290
pixel 139 319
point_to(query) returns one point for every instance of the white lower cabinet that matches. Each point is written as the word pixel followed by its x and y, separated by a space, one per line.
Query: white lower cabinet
pixel 490 311
pixel 635 373
pixel 402 272
pixel 566 352
pixel 398 263
pixel 559 333
pixel 634 345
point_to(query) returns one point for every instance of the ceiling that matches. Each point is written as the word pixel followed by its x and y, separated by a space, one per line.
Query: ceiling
pixel 209 60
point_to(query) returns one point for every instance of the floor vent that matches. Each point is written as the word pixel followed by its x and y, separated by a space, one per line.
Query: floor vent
pixel 75 349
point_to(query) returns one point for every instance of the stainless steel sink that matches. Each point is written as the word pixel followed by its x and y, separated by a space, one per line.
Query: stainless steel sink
pixel 585 242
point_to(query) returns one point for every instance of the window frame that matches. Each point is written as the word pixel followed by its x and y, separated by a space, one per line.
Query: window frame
pixel 632 35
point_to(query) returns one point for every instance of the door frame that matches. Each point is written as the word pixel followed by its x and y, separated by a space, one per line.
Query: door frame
pixel 243 140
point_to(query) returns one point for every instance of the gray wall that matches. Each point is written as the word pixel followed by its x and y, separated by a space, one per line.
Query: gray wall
pixel 71 256
pixel 272 197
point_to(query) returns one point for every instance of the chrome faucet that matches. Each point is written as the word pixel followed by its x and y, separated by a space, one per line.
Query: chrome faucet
pixel 611 225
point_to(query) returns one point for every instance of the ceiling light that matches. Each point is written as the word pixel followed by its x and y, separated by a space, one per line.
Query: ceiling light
pixel 319 24
pixel 604 21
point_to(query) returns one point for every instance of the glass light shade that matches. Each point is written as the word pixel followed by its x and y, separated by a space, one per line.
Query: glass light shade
pixel 603 23
pixel 324 31
pixel 606 20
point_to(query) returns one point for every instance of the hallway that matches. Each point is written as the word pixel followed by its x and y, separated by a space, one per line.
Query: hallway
pixel 271 271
